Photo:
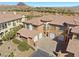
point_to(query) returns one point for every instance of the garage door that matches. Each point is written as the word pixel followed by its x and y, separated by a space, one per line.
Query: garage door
pixel 35 38
pixel 40 36
pixel 52 35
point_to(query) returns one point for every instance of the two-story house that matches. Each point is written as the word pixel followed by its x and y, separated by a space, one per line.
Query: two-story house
pixel 8 21
pixel 50 26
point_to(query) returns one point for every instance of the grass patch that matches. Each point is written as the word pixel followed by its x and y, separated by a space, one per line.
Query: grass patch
pixel 16 41
pixel 23 46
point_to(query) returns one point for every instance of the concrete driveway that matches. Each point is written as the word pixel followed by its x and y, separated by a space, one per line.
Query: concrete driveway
pixel 40 53
pixel 46 44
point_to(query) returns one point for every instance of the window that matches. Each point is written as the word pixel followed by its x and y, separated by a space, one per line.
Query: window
pixel 9 23
pixel 27 26
pixel 0 26
pixel 5 25
pixel 14 23
pixel 19 20
pixel 61 28
pixel 78 36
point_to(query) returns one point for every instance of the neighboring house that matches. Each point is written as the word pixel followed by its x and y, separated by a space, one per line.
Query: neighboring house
pixel 75 30
pixel 8 21
pixel 29 35
pixel 34 25
pixel 50 26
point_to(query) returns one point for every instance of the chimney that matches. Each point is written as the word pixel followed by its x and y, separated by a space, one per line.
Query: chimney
pixel 4 12
pixel 14 13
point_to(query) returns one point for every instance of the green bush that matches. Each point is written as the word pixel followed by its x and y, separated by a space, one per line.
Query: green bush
pixel 11 54
pixel 16 41
pixel 11 34
pixel 23 46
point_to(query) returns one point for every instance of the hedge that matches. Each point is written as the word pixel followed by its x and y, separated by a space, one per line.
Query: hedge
pixel 11 34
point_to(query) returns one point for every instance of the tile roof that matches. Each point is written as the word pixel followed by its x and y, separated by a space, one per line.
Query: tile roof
pixel 47 18
pixel 56 20
pixel 34 21
pixel 75 29
pixel 9 17
pixel 60 19
pixel 53 19
pixel 76 20
pixel 27 33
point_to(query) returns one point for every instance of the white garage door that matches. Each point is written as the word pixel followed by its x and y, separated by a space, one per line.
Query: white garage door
pixel 35 38
pixel 52 35
pixel 40 36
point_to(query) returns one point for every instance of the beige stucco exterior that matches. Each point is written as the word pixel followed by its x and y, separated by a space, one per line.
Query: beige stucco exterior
pixel 10 24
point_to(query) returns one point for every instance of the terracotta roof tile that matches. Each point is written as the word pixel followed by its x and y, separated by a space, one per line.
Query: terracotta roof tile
pixel 9 17
pixel 27 33
pixel 60 19
pixel 75 29
pixel 34 21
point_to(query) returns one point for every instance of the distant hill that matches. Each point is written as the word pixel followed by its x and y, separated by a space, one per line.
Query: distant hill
pixel 21 4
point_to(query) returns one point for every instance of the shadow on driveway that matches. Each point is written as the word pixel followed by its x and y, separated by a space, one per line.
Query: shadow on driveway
pixel 40 53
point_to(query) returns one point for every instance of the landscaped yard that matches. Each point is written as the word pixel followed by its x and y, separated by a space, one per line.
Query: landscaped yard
pixel 22 45
pixel 11 49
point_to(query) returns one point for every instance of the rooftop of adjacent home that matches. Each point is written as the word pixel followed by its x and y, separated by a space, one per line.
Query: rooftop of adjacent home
pixel 31 33
pixel 9 17
pixel 54 19
pixel 75 29
pixel 34 21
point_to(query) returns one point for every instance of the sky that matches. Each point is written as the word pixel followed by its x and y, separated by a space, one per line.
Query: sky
pixel 45 4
